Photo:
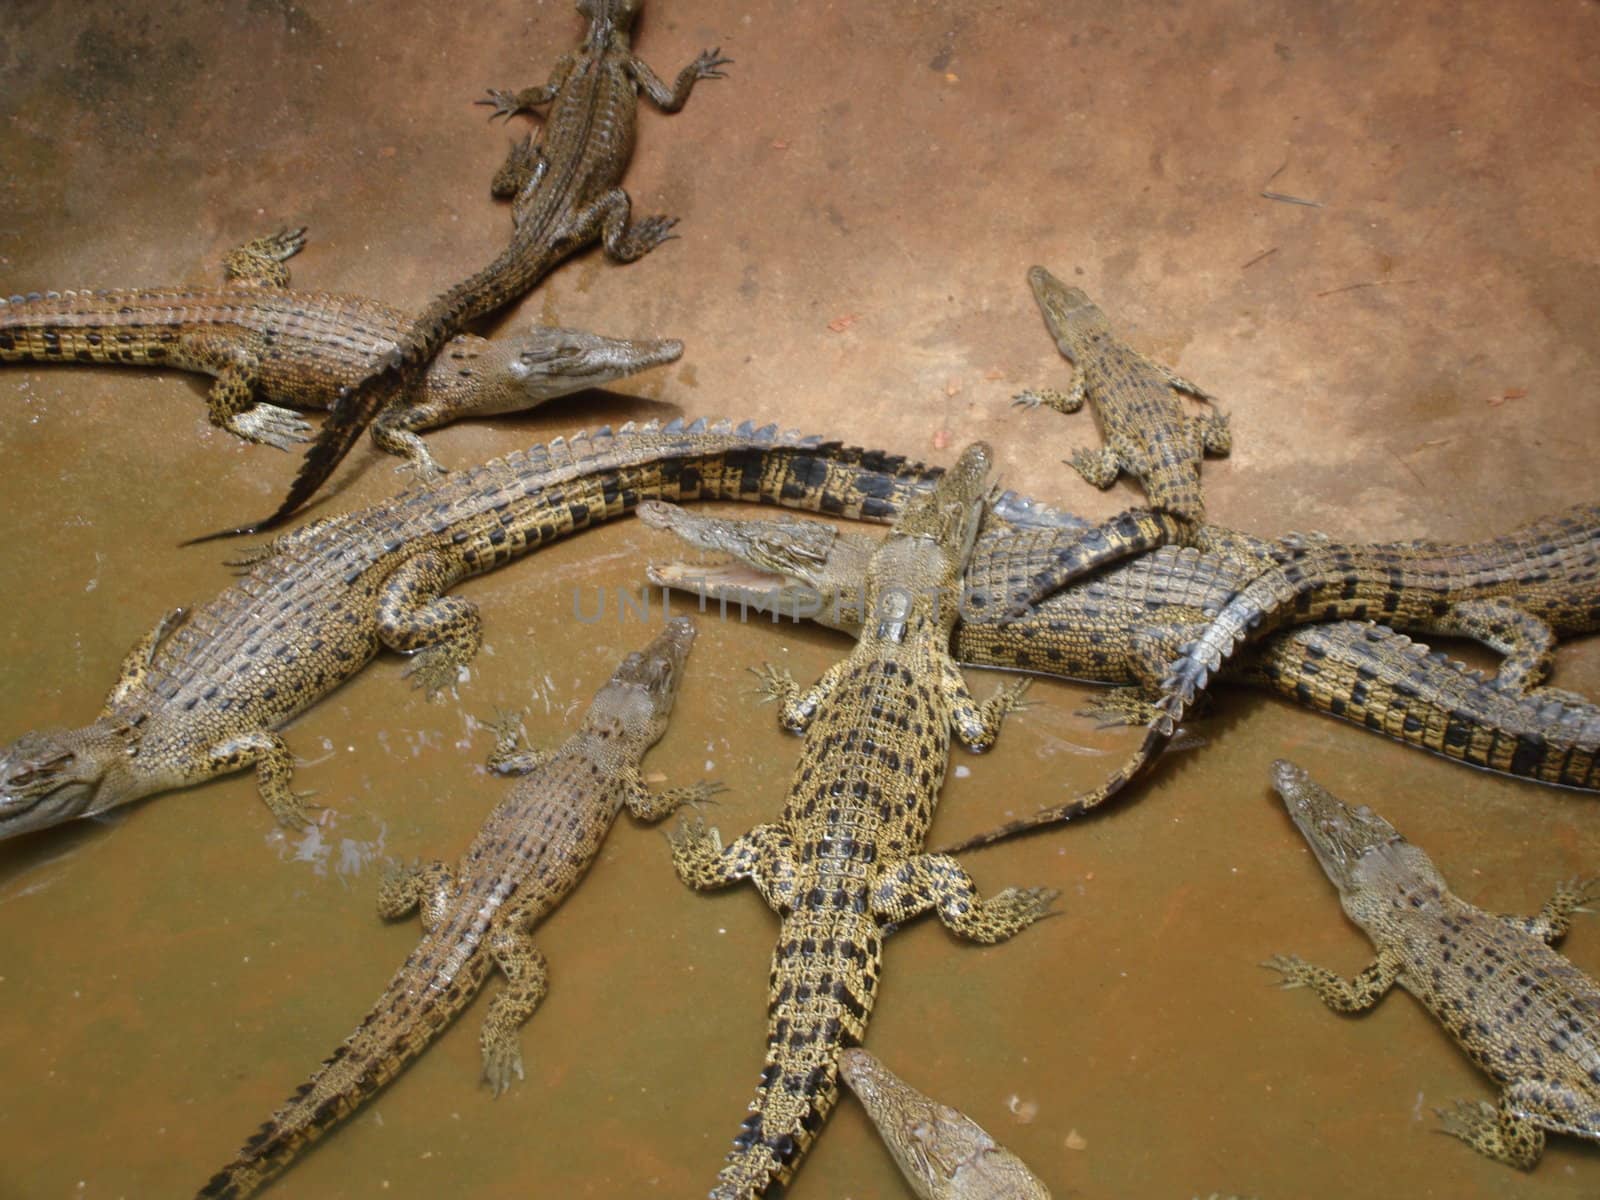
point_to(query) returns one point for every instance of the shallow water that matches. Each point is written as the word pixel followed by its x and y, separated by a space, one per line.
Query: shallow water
pixel 1416 357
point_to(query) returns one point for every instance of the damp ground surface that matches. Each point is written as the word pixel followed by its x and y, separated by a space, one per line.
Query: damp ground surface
pixel 1417 353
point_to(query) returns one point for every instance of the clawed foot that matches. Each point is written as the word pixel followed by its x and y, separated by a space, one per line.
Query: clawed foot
pixel 503 102
pixel 644 236
pixel 269 425
pixel 1468 1119
pixel 773 683
pixel 1120 706
pixel 433 670
pixel 1023 906
pixel 693 837
pixel 291 809
pixel 1288 967
pixel 695 795
pixel 707 65
pixel 501 1061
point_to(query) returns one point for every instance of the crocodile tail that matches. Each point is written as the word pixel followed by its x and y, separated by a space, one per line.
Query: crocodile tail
pixel 399 1027
pixel 824 979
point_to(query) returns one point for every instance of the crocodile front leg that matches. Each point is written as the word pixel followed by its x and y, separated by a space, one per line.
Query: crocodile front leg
pixel 978 724
pixel 428 887
pixel 274 765
pixel 136 665
pixel 796 706
pixel 1527 643
pixel 1069 401
pixel 508 104
pixel 415 617
pixel 527 980
pixel 261 262
pixel 705 66
pixel 392 433
pixel 912 886
pixel 645 805
pixel 1552 921
pixel 231 403
pixel 1216 435
pixel 1337 992
pixel 765 856
pixel 1099 467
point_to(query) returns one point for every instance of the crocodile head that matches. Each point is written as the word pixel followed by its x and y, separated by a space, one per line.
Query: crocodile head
pixel 789 568
pixel 631 710
pixel 1066 309
pixel 915 573
pixel 546 362
pixel 1357 848
pixel 53 775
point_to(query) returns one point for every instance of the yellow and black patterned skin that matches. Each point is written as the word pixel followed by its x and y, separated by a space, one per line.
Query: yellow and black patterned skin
pixel 1147 433
pixel 943 1153
pixel 203 694
pixel 273 350
pixel 846 856
pixel 1515 593
pixel 1522 1012
pixel 1124 624
pixel 531 852
pixel 566 195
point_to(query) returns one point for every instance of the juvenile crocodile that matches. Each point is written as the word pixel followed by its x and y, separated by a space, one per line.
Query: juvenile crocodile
pixel 1522 1012
pixel 566 197
pixel 273 350
pixel 943 1153
pixel 1489 591
pixel 1123 624
pixel 1146 430
pixel 203 693
pixel 846 858
pixel 530 853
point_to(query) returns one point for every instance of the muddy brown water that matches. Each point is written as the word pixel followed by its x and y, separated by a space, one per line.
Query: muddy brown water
pixel 860 201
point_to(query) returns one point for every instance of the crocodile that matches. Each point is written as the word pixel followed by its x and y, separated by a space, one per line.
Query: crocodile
pixel 1146 430
pixel 204 692
pixel 566 196
pixel 845 858
pixel 1516 593
pixel 273 350
pixel 943 1153
pixel 1523 1013
pixel 1123 624
pixel 531 852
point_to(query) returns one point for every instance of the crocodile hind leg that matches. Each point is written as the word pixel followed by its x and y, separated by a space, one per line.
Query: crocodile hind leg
pixel 912 886
pixel 1511 1132
pixel 136 665
pixel 527 980
pixel 231 402
pixel 274 765
pixel 1527 643
pixel 1337 992
pixel 607 217
pixel 765 856
pixel 415 617
pixel 262 262
pixel 1550 923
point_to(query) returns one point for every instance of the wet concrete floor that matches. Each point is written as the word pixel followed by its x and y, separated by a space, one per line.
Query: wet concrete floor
pixel 1418 354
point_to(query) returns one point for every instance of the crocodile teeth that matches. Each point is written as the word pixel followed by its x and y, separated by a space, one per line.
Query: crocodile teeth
pixel 746 428
pixel 674 426
pixel 698 425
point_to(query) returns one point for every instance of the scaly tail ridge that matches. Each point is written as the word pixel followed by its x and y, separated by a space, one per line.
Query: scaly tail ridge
pixel 399 1027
